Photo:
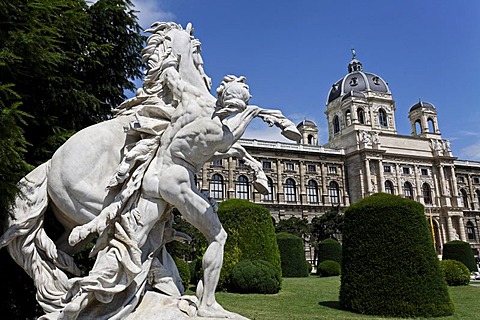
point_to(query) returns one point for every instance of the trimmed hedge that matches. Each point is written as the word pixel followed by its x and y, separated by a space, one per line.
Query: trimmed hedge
pixel 251 236
pixel 183 271
pixel 255 276
pixel 329 249
pixel 329 268
pixel 456 273
pixel 292 253
pixel 389 265
pixel 460 251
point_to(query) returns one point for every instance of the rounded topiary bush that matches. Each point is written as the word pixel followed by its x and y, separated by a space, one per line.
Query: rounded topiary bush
pixel 329 249
pixel 456 273
pixel 329 268
pixel 389 265
pixel 183 271
pixel 251 236
pixel 292 254
pixel 460 251
pixel 255 276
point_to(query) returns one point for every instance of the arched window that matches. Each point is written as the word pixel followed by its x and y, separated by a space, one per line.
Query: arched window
pixel 334 192
pixel 431 125
pixel 216 187
pixel 311 140
pixel 382 118
pixel 427 193
pixel 241 188
pixel 464 196
pixel 408 190
pixel 348 118
pixel 389 187
pixel 361 115
pixel 418 127
pixel 336 125
pixel 312 191
pixel 290 190
pixel 269 196
pixel 471 231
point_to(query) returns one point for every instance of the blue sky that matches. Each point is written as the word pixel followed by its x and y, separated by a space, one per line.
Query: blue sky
pixel 291 54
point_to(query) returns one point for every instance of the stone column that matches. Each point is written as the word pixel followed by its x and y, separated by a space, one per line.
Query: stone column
pixel 399 180
pixel 424 122
pixel 455 186
pixel 451 234
pixel 443 235
pixel 471 193
pixel 280 195
pixel 303 190
pixel 325 197
pixel 419 188
pixel 368 177
pixel 381 183
pixel 204 184
pixel 230 187
pixel 461 232
pixel 345 197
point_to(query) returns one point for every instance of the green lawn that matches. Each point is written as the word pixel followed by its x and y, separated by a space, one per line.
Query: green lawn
pixel 317 298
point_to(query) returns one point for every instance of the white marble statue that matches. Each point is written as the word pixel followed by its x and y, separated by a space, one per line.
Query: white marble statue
pixel 119 179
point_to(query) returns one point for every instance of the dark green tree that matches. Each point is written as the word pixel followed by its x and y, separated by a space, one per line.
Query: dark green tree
pixel 70 64
pixel 328 225
pixel 294 225
pixel 66 65
pixel 12 147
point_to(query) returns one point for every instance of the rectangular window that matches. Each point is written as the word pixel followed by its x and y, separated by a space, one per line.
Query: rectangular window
pixel 387 168
pixel 406 170
pixel 241 163
pixel 311 168
pixel 476 180
pixel 424 172
pixel 332 170
pixel 267 165
pixel 461 179
pixel 289 166
pixel 217 163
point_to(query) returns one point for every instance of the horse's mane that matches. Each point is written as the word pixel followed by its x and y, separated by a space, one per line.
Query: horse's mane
pixel 156 55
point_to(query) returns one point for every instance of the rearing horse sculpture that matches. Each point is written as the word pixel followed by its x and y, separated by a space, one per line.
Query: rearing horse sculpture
pixel 119 178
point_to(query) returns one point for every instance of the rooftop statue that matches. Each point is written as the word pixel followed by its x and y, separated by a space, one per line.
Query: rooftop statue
pixel 118 180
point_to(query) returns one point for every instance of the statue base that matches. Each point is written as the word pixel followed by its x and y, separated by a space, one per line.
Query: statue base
pixel 158 306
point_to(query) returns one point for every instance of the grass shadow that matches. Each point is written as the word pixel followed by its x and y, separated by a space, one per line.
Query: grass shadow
pixel 331 304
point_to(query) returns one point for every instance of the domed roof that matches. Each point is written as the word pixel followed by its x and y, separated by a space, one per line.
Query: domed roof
pixel 357 81
pixel 422 104
pixel 353 94
pixel 306 123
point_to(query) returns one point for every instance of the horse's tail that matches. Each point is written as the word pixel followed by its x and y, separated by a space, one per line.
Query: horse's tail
pixel 31 248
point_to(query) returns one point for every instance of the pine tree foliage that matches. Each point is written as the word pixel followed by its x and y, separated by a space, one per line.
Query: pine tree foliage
pixel 70 64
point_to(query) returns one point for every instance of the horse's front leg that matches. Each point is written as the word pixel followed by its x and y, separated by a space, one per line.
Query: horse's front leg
pixel 276 117
pixel 237 151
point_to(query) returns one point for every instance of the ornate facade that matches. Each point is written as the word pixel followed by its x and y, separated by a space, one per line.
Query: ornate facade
pixel 364 155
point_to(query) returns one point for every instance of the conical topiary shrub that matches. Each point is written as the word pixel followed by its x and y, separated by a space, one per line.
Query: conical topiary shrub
pixel 460 251
pixel 251 236
pixel 389 265
pixel 292 254
pixel 329 249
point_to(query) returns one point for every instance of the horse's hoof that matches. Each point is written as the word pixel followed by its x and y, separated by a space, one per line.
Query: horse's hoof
pixel 292 133
pixel 261 184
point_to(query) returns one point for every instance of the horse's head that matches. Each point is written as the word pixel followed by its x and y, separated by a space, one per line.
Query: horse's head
pixel 172 46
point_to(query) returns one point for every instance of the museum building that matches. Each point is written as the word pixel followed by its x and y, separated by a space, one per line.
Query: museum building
pixel 364 155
